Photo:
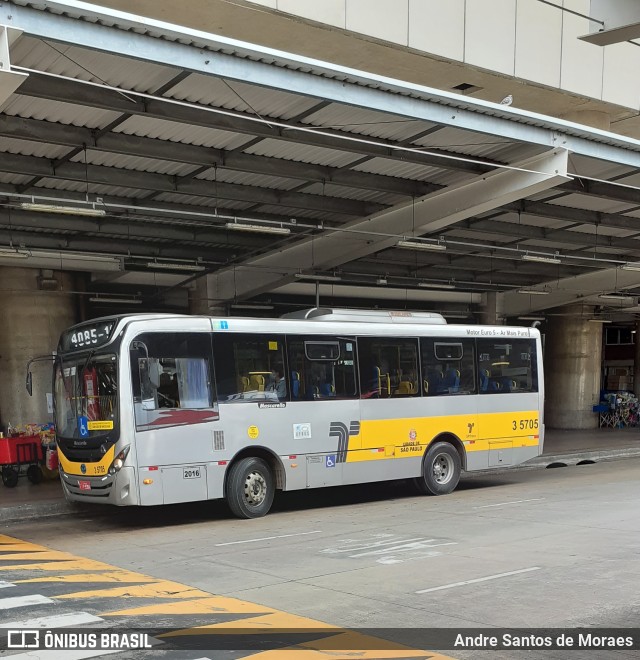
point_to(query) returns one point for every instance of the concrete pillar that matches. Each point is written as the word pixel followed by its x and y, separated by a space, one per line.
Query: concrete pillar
pixel 636 362
pixel 594 118
pixel 573 359
pixel 492 312
pixel 201 303
pixel 36 307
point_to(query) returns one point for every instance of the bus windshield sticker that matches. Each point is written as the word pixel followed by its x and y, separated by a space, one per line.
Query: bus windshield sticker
pixel 101 425
pixel 222 325
pixel 273 345
pixel 302 431
pixel 253 432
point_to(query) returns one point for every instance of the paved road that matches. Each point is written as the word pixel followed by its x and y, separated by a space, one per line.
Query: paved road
pixel 523 549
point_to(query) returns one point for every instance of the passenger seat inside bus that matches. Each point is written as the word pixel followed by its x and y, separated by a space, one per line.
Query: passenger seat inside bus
pixel 295 384
pixel 256 382
pixel 451 381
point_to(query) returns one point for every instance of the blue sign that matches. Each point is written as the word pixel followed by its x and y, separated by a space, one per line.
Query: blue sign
pixel 223 325
pixel 83 427
pixel 330 461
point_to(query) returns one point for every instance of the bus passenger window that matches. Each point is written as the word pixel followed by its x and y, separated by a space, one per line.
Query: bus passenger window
pixel 507 365
pixel 172 371
pixel 322 368
pixel 388 367
pixel 250 367
pixel 448 365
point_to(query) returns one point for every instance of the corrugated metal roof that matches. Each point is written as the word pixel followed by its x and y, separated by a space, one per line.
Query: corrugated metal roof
pixel 353 193
pixel 32 148
pixel 234 95
pixel 94 189
pixel 211 204
pixel 137 163
pixel 360 121
pixel 92 65
pixel 58 111
pixel 592 203
pixel 302 153
pixel 248 179
pixel 173 131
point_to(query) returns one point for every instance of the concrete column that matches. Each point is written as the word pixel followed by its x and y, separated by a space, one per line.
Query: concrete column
pixel 636 362
pixel 36 308
pixel 492 309
pixel 573 359
pixel 201 303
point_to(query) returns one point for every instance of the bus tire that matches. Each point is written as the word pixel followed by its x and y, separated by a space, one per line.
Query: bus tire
pixel 441 469
pixel 250 488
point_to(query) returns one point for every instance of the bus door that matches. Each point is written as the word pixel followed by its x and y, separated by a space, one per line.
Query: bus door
pixel 324 404
pixel 509 407
pixel 174 407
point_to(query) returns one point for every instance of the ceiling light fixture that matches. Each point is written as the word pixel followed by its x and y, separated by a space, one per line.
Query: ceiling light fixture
pixel 615 296
pixel 174 266
pixel 318 278
pixel 421 245
pixel 599 320
pixel 90 211
pixel 13 253
pixel 633 267
pixel 260 229
pixel 531 318
pixel 535 292
pixel 123 301
pixel 435 285
pixel 251 306
pixel 541 259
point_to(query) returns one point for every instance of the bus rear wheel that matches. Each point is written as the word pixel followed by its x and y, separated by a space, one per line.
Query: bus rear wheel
pixel 440 470
pixel 250 488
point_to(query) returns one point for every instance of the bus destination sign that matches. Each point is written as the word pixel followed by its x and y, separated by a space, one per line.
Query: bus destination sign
pixel 87 336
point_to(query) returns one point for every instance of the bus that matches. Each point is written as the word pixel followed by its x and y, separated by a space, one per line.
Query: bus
pixel 165 408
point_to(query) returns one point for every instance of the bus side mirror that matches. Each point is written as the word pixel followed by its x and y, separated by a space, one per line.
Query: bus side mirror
pixel 29 383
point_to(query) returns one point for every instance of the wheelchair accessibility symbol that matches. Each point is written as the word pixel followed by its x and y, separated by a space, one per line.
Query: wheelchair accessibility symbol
pixel 330 461
pixel 83 428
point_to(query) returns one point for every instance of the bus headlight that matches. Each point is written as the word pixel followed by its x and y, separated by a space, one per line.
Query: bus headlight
pixel 118 461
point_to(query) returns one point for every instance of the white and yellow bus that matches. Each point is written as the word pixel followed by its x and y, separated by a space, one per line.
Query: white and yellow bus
pixel 160 409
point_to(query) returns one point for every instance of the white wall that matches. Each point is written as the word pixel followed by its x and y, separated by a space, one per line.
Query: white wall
pixel 523 38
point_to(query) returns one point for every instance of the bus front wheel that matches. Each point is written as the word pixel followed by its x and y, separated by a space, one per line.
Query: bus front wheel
pixel 440 470
pixel 250 488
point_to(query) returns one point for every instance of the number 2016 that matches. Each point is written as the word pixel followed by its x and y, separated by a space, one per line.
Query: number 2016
pixel 524 424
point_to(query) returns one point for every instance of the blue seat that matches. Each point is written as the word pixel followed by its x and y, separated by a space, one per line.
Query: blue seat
pixel 295 384
pixel 484 380
pixel 434 381
pixel 451 381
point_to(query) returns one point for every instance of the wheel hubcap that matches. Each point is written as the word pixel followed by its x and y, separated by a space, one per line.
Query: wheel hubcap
pixel 442 468
pixel 255 489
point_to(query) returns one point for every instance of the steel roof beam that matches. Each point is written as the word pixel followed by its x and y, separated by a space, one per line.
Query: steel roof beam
pixel 205 54
pixel 70 91
pixel 132 145
pixel 433 212
pixel 133 179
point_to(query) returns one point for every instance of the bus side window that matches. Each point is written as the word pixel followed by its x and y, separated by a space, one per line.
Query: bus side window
pixel 388 367
pixel 172 371
pixel 250 367
pixel 449 366
pixel 322 367
pixel 507 365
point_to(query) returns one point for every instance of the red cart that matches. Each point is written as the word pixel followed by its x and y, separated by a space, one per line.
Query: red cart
pixel 18 452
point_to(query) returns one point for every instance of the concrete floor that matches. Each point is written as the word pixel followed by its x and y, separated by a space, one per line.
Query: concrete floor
pixel 598 444
pixel 526 548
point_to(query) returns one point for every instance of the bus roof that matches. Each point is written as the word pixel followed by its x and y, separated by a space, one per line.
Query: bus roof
pixel 366 316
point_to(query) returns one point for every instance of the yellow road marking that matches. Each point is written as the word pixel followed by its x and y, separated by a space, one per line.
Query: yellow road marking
pixel 211 605
pixel 158 589
pixel 112 576
pixel 189 600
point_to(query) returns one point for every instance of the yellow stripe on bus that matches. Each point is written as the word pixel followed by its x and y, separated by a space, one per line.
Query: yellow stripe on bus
pixel 98 469
pixel 407 437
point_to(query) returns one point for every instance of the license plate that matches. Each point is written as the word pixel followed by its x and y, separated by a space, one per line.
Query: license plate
pixel 84 485
pixel 191 473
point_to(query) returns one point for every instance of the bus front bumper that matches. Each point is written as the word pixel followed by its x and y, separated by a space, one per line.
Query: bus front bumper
pixel 119 489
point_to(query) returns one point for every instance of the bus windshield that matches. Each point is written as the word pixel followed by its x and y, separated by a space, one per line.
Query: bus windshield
pixel 86 389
